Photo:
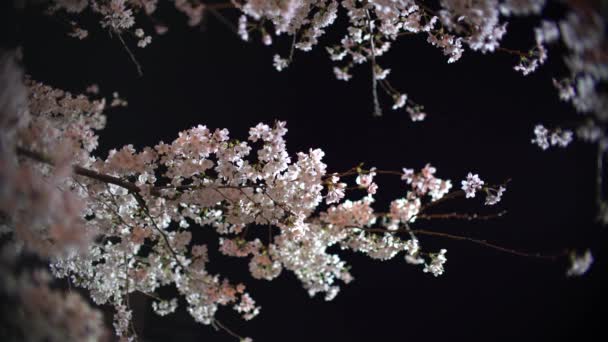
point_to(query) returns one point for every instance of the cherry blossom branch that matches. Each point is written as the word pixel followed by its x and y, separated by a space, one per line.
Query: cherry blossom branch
pixel 218 324
pixel 279 204
pixel 127 302
pixel 488 244
pixel 513 52
pixel 142 203
pixel 449 196
pixel 105 178
pixel 79 170
pixel 135 191
pixel 131 55
pixel 292 49
pixel 377 109
pixel 461 216
pixel 358 170
pixel 221 18
pixel 151 295
pixel 463 238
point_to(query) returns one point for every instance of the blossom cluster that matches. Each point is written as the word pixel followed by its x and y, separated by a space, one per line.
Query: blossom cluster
pixel 374 25
pixel 38 312
pixel 545 138
pixel 579 264
pixel 119 16
pixel 582 32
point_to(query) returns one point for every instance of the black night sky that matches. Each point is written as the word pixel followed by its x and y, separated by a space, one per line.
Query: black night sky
pixel 481 115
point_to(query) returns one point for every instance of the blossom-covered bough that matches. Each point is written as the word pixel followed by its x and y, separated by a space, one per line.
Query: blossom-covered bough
pixel 125 224
pixel 373 27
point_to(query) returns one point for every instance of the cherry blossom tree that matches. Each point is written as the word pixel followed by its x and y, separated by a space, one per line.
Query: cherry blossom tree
pixel 127 224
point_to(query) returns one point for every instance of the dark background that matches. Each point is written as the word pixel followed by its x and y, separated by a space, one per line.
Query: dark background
pixel 481 118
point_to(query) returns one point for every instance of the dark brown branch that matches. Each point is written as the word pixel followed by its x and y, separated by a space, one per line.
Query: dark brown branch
pixel 108 179
pixel 487 244
pixel 461 216
pixel 230 332
pixel 222 19
pixel 81 171
pixel 513 52
pixel 131 55
pixel 144 206
pixel 151 295
pixel 377 109
pixel 451 195
pixel 127 302
pixel 464 238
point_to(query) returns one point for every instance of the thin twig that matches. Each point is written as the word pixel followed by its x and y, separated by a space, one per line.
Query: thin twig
pixel 131 55
pixel 150 295
pixel 292 48
pixel 127 302
pixel 115 211
pixel 461 216
pixel 230 332
pixel 146 211
pixel 222 19
pixel 463 238
pixel 600 174
pixel 377 109
pixel 451 195
pixel 513 52
pixel 488 244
